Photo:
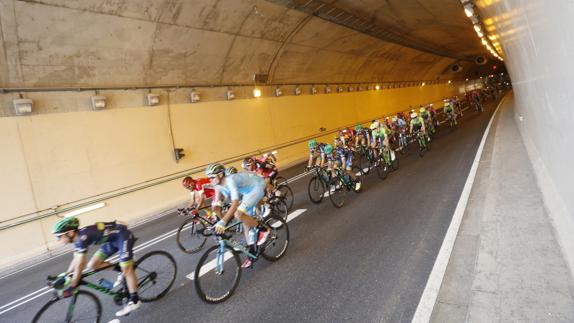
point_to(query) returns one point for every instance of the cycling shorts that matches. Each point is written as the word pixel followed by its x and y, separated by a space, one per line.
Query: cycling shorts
pixel 124 243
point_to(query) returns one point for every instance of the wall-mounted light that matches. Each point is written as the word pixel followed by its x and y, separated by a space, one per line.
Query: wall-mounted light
pixel 22 106
pixel 313 90
pixel 152 99
pixel 423 84
pixel 297 90
pixel 256 93
pixel 449 81
pixel 278 91
pixel 327 89
pixel 377 87
pixel 98 102
pixel 339 89
pixel 85 209
pixel 468 9
pixel 229 94
pixel 194 96
pixel 350 89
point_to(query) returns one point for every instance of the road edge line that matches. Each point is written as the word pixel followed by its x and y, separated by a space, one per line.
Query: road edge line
pixel 434 282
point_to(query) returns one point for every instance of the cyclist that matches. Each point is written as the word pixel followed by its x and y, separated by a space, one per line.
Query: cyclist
pixel 448 111
pixel 266 168
pixel 200 189
pixel 425 115
pixel 115 238
pixel 433 115
pixel 246 191
pixel 316 153
pixel 363 136
pixel 344 156
pixel 417 124
pixel 373 127
pixel 401 130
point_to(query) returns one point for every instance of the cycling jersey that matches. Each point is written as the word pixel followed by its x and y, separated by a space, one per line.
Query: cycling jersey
pixel 425 115
pixel 417 123
pixel 447 108
pixel 204 184
pixel 114 237
pixel 401 123
pixel 342 152
pixel 244 186
pixel 267 170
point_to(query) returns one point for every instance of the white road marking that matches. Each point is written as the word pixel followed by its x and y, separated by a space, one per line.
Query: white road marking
pixel 430 293
pixel 211 265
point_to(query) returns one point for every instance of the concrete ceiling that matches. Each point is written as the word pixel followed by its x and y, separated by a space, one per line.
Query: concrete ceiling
pixel 101 43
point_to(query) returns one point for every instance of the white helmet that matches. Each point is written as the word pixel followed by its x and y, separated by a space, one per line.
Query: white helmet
pixel 413 115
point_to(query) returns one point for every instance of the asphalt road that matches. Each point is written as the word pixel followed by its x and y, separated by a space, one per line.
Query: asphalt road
pixel 366 262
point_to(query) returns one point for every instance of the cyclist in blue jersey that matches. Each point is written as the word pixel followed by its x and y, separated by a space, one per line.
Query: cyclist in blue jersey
pixel 344 156
pixel 316 153
pixel 114 237
pixel 246 191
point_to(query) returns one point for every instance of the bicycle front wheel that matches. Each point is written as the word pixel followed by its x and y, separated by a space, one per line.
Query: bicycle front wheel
pixel 217 274
pixel 156 273
pixel 337 192
pixel 316 189
pixel 190 238
pixel 82 307
pixel 278 240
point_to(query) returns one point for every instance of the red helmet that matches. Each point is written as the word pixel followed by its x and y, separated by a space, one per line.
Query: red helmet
pixel 188 182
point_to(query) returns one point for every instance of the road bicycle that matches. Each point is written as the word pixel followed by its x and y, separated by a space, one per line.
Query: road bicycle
pixel 423 142
pixel 155 272
pixel 286 193
pixel 341 182
pixel 218 271
pixel 366 159
pixel 318 184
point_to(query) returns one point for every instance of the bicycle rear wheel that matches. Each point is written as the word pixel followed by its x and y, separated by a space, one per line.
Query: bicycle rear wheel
pixel 286 195
pixel 217 274
pixel 278 241
pixel 189 237
pixel 83 307
pixel 316 189
pixel 156 273
pixel 337 192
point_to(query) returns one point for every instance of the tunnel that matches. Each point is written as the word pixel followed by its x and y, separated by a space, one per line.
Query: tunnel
pixel 106 106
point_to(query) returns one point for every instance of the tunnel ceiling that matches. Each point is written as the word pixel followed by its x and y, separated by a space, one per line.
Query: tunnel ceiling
pixel 60 43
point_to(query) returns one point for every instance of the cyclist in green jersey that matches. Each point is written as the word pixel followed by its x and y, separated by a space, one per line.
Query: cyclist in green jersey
pixel 417 124
pixel 448 111
pixel 425 115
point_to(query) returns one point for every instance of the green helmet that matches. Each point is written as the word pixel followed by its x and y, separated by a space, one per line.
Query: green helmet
pixel 230 170
pixel 328 149
pixel 214 169
pixel 66 224
pixel 312 143
pixel 358 128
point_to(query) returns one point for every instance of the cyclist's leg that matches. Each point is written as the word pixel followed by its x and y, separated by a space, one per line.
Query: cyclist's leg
pixel 248 202
pixel 98 260
pixel 125 244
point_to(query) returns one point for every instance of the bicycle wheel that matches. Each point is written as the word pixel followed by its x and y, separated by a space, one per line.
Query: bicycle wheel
pixel 316 189
pixel 382 169
pixel 216 276
pixel 358 179
pixel 286 195
pixel 279 208
pixel 365 164
pixel 189 237
pixel 156 273
pixel 278 240
pixel 84 307
pixel 337 192
pixel 395 162
pixel 422 148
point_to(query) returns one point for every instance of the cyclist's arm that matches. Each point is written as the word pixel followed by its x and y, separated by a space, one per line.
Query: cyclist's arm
pixel 232 208
pixel 77 266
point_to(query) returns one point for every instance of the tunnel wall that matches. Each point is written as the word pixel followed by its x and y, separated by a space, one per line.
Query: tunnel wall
pixel 54 158
pixel 538 44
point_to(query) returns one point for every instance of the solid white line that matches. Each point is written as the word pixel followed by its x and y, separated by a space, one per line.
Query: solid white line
pixel 210 265
pixel 26 301
pixel 430 293
pixel 19 299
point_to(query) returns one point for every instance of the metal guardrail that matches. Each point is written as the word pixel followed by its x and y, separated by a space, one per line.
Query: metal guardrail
pixel 69 206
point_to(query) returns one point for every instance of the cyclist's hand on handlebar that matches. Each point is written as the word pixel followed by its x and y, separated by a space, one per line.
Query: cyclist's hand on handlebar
pixel 68 291
pixel 220 227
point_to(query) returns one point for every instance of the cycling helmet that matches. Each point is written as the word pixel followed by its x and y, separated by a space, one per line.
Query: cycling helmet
pixel 374 125
pixel 213 169
pixel 413 115
pixel 422 109
pixel 66 224
pixel 247 163
pixel 230 170
pixel 312 143
pixel 328 149
pixel 358 128
pixel 188 182
pixel 394 119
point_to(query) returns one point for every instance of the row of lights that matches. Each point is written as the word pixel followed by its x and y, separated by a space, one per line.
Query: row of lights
pixel 471 13
pixel 23 106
